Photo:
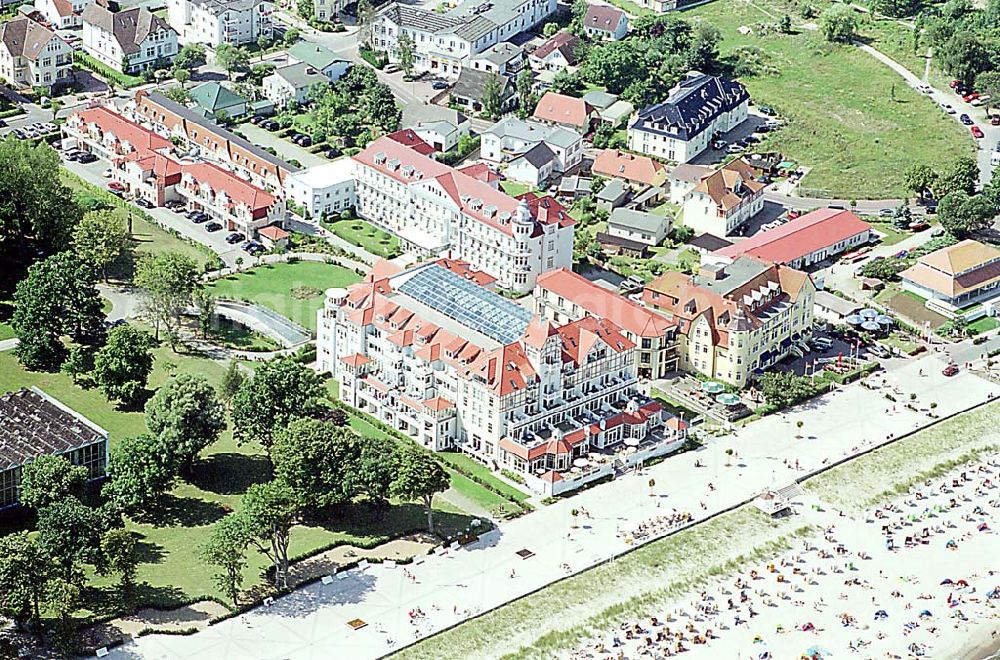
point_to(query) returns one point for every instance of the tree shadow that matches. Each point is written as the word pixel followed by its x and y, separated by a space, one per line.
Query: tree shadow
pixel 359 520
pixel 230 473
pixel 174 511
pixel 149 553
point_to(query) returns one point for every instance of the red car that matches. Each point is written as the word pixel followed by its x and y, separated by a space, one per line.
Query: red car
pixel 976 131
pixel 950 370
pixel 115 185
pixel 791 215
pixel 995 120
pixel 970 97
pixel 953 84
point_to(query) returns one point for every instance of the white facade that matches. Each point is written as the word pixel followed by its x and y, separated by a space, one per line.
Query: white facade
pixel 31 55
pixel 327 10
pixel 323 189
pixel 61 14
pixel 705 215
pixel 291 83
pixel 437 210
pixel 127 41
pixel 216 22
pixel 530 398
pixel 510 138
pixel 445 43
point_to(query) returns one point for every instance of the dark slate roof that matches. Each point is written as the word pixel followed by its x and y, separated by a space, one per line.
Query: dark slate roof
pixel 33 424
pixel 709 242
pixel 471 83
pixel 691 106
pixel 187 113
pixel 627 243
pixel 539 155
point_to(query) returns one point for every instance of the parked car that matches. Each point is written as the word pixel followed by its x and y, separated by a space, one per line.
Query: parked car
pixel 303 140
pixel 920 225
pixel 902 254
pixel 332 153
pixel 86 158
pixel 213 226
pixel 965 119
pixel 235 237
pixel 144 203
pixel 970 97
pixel 439 84
pixel 925 89
pixel 198 217
pixel 258 119
pixel 270 125
pixel 735 149
pixel 976 131
pixel 116 185
pixel 719 144
pixel 936 232
pixel 3 124
pixel 947 108
pixel 767 110
pixel 981 101
pixel 886 213
pixel 107 173
pixel 950 370
pixel 878 351
pixel 391 68
pixel 791 215
pixel 954 83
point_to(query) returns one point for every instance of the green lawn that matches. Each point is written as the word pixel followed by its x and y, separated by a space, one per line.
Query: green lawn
pixel 6 332
pixel 294 290
pixel 366 236
pixel 984 324
pixel 513 188
pixel 892 235
pixel 850 118
pixel 472 466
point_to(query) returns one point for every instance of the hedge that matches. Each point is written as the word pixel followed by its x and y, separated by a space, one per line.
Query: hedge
pixel 123 79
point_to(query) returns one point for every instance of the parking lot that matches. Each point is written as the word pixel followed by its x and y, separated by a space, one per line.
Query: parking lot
pixel 93 173
pixel 285 148
pixel 838 347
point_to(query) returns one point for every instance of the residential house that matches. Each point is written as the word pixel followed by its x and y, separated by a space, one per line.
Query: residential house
pixel 626 247
pixel 440 127
pixel 322 59
pixel 696 110
pixel 209 140
pixel 488 378
pixel 723 202
pixel 325 189
pixel 34 424
pixel 682 180
pixel 648 228
pixel 436 209
pixel 562 296
pixel 445 43
pixel 567 111
pixel 557 53
pixel 128 41
pixel 605 22
pixel 534 166
pixel 610 109
pixel 638 170
pixel 614 194
pixel 328 10
pixel 957 276
pixel 503 58
pixel 705 244
pixel 217 22
pixel 510 138
pixel 802 242
pixel 217 100
pixel 274 237
pixel 467 91
pixel 292 83
pixel 736 320
pixel 31 55
pixel 60 14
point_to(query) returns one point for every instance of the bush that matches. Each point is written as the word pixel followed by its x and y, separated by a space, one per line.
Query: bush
pixel 376 59
pixel 513 476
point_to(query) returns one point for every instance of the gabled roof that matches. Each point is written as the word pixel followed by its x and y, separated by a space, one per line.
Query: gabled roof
pixel 220 180
pixel 564 42
pixel 598 301
pixel 408 138
pixel 300 76
pixel 691 106
pixel 966 266
pixel 730 185
pixel 538 156
pixel 602 17
pixel 471 83
pixel 24 37
pixel 214 97
pixel 631 167
pixel 130 27
pixel 563 109
pixel 273 232
pixel 139 138
pixel 799 237
pixel 638 220
pixel 316 56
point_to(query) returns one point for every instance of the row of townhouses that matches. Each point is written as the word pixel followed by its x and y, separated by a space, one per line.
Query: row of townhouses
pixel 149 167
pixel 435 353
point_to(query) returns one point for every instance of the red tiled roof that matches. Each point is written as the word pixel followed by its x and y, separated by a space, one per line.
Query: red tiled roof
pixel 563 109
pixel 355 360
pixel 140 138
pixel 464 270
pixel 480 171
pixel 273 233
pixel 408 138
pixel 240 191
pixel 799 237
pixel 602 303
pixel 581 335
pixel 547 209
pixel 438 403
pixel 602 17
pixel 564 42
pixel 63 7
pixel 622 165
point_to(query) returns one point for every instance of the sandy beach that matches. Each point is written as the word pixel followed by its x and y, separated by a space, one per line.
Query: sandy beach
pixel 917 577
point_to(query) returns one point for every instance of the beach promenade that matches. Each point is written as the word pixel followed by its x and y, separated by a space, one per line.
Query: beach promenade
pixel 529 553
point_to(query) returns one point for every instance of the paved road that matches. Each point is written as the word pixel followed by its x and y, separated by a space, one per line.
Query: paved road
pixel 263 320
pixel 312 622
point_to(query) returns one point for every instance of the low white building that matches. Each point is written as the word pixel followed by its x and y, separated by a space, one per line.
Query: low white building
pixel 438 210
pixel 325 189
pixel 605 22
pixel 534 167
pixel 320 58
pixel 439 127
pixel 511 138
pixel 699 108
pixel 292 83
pixel 723 202
pixel 216 22
pixel 31 55
pixel 503 58
pixel 445 43
pixel 453 365
pixel 128 41
pixel 646 228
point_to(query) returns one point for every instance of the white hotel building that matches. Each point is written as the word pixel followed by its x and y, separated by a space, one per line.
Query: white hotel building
pixel 438 210
pixel 444 43
pixel 455 366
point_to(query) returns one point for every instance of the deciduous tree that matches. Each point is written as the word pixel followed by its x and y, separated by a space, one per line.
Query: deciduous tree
pixel 420 477
pixel 269 511
pixel 962 214
pixel 279 392
pixel 25 569
pixel 186 416
pixel 374 470
pixel 318 461
pixel 49 479
pixel 232 58
pixel 70 532
pixel 167 281
pixel 964 57
pixel 102 239
pixel 122 366
pixel 226 549
pixel 492 98
pixel 839 23
pixel 404 53
pixel 139 473
pixel 120 556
